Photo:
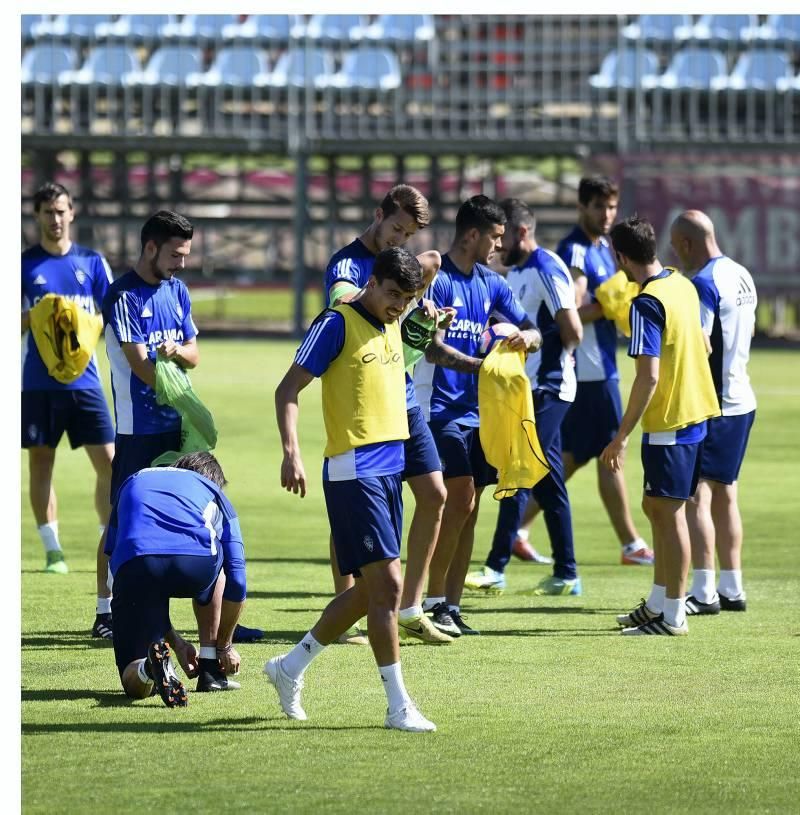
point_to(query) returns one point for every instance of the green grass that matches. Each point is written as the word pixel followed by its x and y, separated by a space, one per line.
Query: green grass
pixel 253 306
pixel 549 710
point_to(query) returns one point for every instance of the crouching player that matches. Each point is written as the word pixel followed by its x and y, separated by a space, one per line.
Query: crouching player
pixel 173 533
pixel 357 351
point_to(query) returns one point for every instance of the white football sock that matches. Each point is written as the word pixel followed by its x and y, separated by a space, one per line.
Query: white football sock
pixel 451 607
pixel 410 613
pixel 208 652
pixel 301 656
pixel 655 602
pixel 730 584
pixel 703 585
pixel 49 535
pixel 104 605
pixel 392 677
pixel 523 534
pixel 634 545
pixel 674 611
pixel 429 602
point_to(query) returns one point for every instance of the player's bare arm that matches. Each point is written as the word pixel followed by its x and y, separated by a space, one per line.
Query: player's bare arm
pixel 293 476
pixel 342 291
pixel 642 390
pixel 528 339
pixel 26 321
pixel 431 262
pixel 136 354
pixel 587 312
pixel 186 355
pixel 570 328
pixel 439 353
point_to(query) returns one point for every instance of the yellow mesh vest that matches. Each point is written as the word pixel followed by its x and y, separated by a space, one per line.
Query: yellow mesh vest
pixel 363 390
pixel 508 427
pixel 685 392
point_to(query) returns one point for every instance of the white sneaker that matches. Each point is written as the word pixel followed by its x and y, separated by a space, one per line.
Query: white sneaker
pixel 408 718
pixel 288 689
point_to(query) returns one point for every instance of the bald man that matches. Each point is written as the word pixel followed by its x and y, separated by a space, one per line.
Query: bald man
pixel 728 313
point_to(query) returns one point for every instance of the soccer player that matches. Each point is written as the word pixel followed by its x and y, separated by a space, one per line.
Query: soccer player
pixel 594 417
pixel 543 285
pixel 728 314
pixel 356 350
pixel 673 395
pixel 49 408
pixel 172 532
pixel 148 314
pixel 402 212
pixel 447 385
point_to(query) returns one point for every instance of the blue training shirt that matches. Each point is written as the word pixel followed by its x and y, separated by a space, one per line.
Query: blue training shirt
pixel 353 264
pixel 82 275
pixel 321 345
pixel 445 394
pixel 544 287
pixel 170 511
pixel 137 312
pixel 596 356
pixel 648 321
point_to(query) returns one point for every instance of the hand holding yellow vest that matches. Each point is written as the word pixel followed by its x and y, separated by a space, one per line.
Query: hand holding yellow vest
pixel 65 335
pixel 615 297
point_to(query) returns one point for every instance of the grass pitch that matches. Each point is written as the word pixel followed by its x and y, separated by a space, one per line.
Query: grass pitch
pixel 549 710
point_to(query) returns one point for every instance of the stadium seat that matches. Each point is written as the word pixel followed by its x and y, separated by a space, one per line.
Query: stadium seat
pixel 660 27
pixel 27 22
pixel 135 27
pixel 374 69
pixel 105 65
pixel 234 67
pixel 199 26
pixel 400 28
pixel 784 28
pixel 724 27
pixel 334 27
pixel 69 25
pixel 168 66
pixel 42 63
pixel 625 70
pixel 299 67
pixel 756 69
pixel 691 68
pixel 276 27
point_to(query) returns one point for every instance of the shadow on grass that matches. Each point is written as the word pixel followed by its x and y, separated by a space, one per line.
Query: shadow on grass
pixel 285 595
pixel 316 561
pixel 551 632
pixel 249 724
pixel 71 571
pixel 540 610
pixel 63 639
pixel 103 698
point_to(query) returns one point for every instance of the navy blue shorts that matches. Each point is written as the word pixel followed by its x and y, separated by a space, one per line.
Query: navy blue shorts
pixel 366 520
pixel 83 414
pixel 420 448
pixel 671 471
pixel 134 453
pixel 142 590
pixel 460 452
pixel 592 421
pixel 725 446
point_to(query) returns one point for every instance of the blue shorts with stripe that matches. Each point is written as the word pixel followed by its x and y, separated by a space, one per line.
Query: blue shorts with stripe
pixel 143 587
pixel 135 452
pixel 366 520
pixel 420 449
pixel 82 414
pixel 592 421
pixel 461 453
pixel 671 470
pixel 725 446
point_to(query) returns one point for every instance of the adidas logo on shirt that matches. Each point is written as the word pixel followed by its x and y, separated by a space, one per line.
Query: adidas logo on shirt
pixel 458 302
pixel 146 312
pixel 39 280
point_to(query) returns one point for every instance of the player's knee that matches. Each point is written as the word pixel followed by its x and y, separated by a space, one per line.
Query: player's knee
pixel 461 499
pixel 433 497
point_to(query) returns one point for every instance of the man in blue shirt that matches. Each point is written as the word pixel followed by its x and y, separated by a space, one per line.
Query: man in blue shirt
pixel 728 303
pixel 447 387
pixel 49 408
pixel 543 285
pixel 172 533
pixel 356 350
pixel 594 417
pixel 401 214
pixel 148 314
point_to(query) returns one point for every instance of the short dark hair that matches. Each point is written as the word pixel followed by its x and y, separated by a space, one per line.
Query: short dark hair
pixel 596 186
pixel 399 265
pixel 479 212
pixel 165 225
pixel 204 464
pixel 635 238
pixel 47 193
pixel 518 213
pixel 410 200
